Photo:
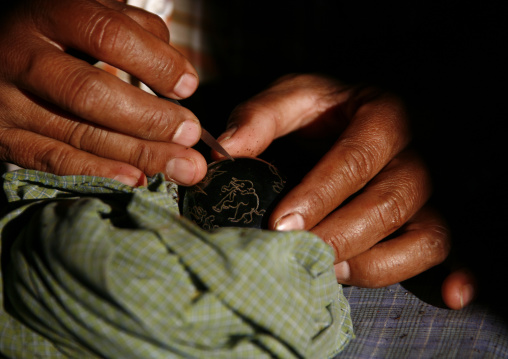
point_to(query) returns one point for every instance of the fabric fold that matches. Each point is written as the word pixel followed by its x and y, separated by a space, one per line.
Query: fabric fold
pixel 93 268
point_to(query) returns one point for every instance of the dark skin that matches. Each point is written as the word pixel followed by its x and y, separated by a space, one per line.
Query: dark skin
pixel 370 160
pixel 107 127
pixel 60 114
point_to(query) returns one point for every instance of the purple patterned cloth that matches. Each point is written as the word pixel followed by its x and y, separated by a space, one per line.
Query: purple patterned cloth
pixel 391 322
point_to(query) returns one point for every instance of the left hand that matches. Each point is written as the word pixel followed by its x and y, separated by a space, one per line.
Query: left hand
pixel 60 114
pixel 366 197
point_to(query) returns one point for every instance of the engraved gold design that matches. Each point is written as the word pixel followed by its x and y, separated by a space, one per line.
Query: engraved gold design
pixel 241 196
pixel 201 217
pixel 278 185
pixel 237 202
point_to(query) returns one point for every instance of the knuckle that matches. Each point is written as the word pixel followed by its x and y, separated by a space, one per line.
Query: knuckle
pixel 397 199
pixel 106 33
pixel 87 168
pixel 392 212
pixel 52 159
pixel 141 156
pixel 342 247
pixel 61 160
pixel 29 70
pixel 324 197
pixel 359 163
pixel 436 243
pixel 155 125
pixel 163 64
pixel 160 63
pixel 85 91
pixel 86 137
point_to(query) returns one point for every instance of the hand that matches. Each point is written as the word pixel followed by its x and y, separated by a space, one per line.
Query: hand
pixel 62 115
pixel 366 197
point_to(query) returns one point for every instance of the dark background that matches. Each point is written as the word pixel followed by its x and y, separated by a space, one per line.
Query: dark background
pixel 446 61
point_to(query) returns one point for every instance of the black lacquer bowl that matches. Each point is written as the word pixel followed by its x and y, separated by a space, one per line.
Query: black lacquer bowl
pixel 237 193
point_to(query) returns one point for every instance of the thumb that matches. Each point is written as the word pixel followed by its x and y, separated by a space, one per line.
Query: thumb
pixel 289 104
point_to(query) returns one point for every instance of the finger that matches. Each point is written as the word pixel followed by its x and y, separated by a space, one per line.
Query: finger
pixel 459 289
pixel 180 164
pixel 149 21
pixel 384 206
pixel 48 155
pixel 111 36
pixel 101 98
pixel 377 132
pixel 291 103
pixel 422 244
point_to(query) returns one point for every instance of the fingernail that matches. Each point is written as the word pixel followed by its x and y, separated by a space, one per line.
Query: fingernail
pixel 227 134
pixel 466 295
pixel 290 222
pixel 187 133
pixel 342 271
pixel 181 170
pixel 186 85
pixel 128 180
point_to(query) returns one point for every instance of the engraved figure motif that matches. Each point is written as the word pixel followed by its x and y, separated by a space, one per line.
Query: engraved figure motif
pixel 241 197
pixel 277 185
pixel 201 218
pixel 210 175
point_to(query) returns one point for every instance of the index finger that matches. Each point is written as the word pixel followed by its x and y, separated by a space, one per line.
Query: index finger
pixel 110 35
pixel 376 133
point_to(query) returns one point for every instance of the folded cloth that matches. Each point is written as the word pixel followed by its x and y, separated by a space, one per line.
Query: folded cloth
pixel 94 268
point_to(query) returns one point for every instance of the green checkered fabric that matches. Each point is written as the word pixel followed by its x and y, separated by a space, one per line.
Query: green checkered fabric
pixel 93 268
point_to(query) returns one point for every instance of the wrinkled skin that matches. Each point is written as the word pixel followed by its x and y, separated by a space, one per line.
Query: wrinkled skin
pixel 386 185
pixel 62 115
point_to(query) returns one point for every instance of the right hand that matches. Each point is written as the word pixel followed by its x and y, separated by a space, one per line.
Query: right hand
pixel 367 196
pixel 60 114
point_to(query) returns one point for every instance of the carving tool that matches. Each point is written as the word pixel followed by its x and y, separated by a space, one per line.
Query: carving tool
pixel 206 137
